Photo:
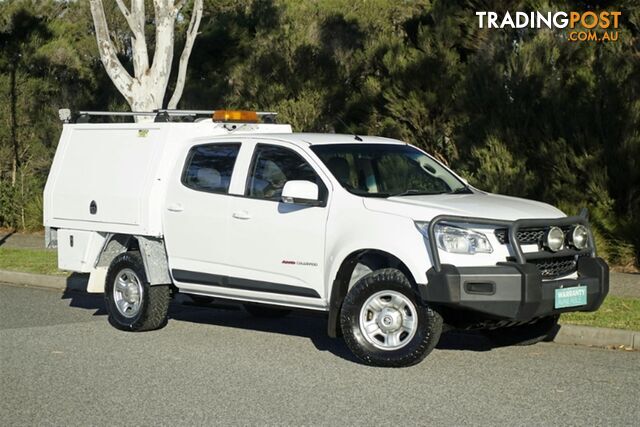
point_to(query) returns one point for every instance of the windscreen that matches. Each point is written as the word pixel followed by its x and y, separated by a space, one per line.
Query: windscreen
pixel 384 170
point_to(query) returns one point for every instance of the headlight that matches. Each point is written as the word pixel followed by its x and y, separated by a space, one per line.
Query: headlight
pixel 457 240
pixel 554 239
pixel 579 237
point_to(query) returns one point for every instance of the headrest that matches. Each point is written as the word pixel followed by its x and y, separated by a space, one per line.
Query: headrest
pixel 209 178
pixel 273 173
pixel 340 169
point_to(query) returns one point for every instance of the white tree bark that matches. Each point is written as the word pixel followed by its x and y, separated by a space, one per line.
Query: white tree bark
pixel 192 32
pixel 145 89
pixel 108 54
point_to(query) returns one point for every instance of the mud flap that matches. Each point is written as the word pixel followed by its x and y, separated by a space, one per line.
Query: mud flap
pixel 96 280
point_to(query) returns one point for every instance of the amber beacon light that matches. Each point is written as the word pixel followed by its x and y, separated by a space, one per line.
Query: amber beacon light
pixel 235 116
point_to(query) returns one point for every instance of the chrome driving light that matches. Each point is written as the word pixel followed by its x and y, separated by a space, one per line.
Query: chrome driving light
pixel 554 239
pixel 457 240
pixel 579 237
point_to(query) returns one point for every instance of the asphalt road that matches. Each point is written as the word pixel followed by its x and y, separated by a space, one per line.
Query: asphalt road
pixel 61 363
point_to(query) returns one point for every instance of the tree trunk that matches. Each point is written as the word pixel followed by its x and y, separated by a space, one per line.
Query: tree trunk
pixel 192 32
pixel 108 53
pixel 22 220
pixel 13 120
pixel 145 90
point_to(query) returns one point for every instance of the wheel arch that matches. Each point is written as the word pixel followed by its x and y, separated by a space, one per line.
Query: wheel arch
pixel 152 251
pixel 374 259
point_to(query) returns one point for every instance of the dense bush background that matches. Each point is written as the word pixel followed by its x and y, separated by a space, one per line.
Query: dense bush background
pixel 522 112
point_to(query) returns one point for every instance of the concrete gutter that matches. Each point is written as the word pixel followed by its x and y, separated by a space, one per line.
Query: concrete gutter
pixel 74 282
pixel 566 334
pixel 597 337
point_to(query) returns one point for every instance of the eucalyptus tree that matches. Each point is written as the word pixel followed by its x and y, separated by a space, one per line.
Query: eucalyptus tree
pixel 145 89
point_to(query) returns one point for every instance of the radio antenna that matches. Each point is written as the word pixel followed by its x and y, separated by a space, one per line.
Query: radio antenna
pixel 355 135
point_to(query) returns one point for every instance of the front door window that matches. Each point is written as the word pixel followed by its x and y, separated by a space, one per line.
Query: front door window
pixel 272 167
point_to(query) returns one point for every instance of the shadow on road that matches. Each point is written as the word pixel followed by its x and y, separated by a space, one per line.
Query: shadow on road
pixel 310 325
pixel 465 341
pixel 4 238
pixel 86 301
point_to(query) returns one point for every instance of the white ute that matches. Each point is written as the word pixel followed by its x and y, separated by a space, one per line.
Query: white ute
pixel 386 240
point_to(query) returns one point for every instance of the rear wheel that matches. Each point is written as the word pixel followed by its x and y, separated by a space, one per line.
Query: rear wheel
pixel 529 334
pixel 132 303
pixel 385 323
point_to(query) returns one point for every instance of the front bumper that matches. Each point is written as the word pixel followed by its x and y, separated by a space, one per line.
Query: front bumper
pixel 512 291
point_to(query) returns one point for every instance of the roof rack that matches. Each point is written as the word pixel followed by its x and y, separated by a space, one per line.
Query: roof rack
pixel 160 115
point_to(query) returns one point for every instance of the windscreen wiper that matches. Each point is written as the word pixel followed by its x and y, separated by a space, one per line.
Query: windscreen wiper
pixel 413 192
pixel 462 190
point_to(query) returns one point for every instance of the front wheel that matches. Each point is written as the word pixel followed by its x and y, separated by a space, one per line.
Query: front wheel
pixel 132 303
pixel 384 322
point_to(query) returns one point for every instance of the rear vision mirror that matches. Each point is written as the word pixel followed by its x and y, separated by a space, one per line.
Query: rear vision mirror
pixel 300 192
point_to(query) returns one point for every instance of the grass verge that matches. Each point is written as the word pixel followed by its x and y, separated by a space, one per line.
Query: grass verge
pixel 615 312
pixel 39 261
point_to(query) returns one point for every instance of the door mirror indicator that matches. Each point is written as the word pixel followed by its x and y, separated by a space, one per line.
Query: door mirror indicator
pixel 300 192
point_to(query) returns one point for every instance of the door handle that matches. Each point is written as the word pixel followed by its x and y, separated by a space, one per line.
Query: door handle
pixel 241 215
pixel 175 207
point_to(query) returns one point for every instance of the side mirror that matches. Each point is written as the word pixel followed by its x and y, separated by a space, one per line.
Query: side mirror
pixel 300 192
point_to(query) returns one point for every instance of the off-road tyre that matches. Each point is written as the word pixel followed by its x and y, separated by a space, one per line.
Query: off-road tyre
pixel 427 333
pixel 523 335
pixel 154 303
pixel 266 312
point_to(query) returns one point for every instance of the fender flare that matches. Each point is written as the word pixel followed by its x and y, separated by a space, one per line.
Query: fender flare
pixel 340 284
pixel 152 250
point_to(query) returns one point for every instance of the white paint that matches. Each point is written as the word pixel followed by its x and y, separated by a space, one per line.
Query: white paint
pixel 78 249
pixel 242 237
pixel 299 190
pixel 97 280
pixel 123 171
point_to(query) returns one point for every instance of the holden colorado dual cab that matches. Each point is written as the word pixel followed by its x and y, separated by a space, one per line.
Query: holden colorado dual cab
pixel 386 240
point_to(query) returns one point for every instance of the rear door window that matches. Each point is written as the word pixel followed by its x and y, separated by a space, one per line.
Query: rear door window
pixel 209 167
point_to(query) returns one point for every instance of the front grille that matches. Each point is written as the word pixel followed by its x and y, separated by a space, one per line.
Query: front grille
pixel 526 236
pixel 550 268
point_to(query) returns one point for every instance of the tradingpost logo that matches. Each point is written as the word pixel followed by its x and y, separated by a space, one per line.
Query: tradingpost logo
pixel 582 26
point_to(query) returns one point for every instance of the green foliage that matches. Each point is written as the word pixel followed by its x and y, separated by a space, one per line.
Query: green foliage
pixel 522 112
pixel 499 171
pixel 302 112
pixel 45 64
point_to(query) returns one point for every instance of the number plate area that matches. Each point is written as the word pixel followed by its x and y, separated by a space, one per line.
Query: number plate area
pixel 571 297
